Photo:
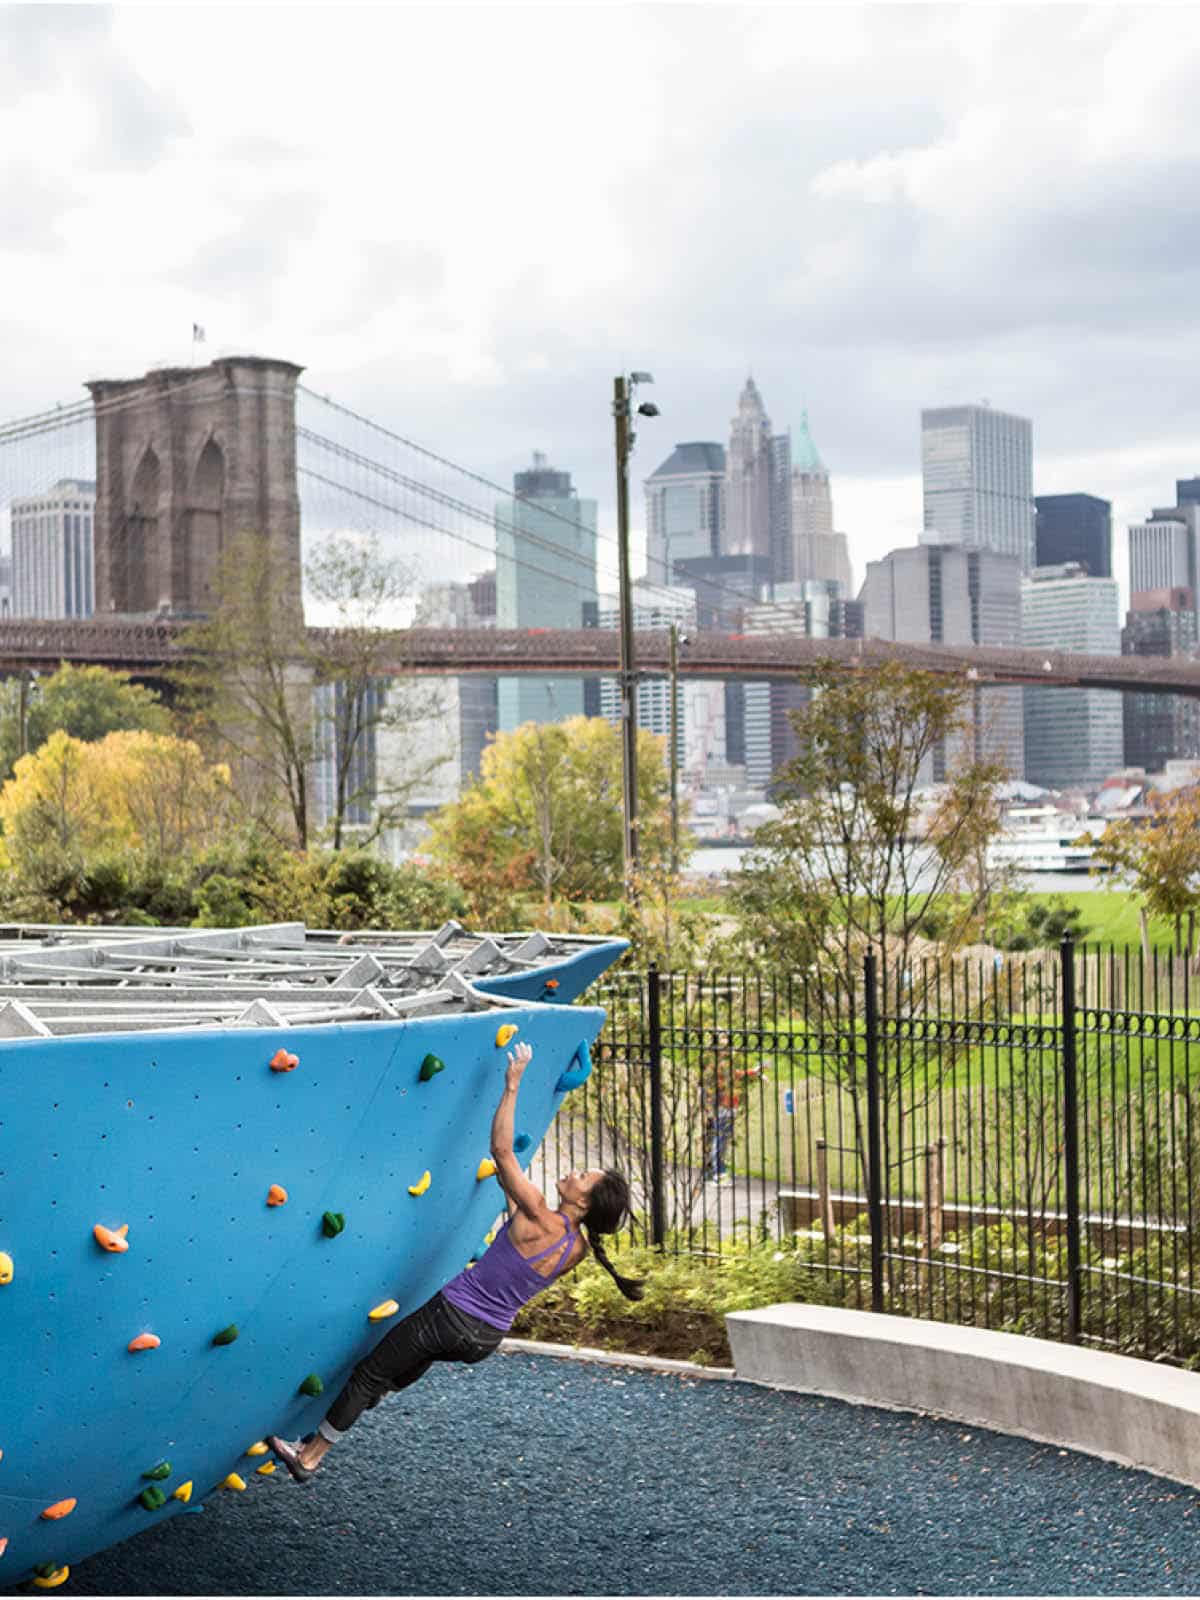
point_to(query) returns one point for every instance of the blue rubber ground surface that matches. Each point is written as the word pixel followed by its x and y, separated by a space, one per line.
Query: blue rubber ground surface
pixel 531 1475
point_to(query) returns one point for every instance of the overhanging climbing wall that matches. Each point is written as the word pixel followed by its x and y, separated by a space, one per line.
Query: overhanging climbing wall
pixel 199 1224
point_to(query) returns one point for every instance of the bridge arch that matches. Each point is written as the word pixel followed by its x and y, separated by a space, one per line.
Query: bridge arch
pixel 140 544
pixel 199 555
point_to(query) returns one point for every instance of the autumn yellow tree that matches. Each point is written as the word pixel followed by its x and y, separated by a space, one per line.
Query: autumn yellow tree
pixel 72 801
pixel 544 815
pixel 1159 859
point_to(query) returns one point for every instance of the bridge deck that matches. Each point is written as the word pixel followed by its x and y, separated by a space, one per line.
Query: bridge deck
pixel 147 646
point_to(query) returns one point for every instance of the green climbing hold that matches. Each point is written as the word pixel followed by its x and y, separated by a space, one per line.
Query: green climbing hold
pixel 226 1335
pixel 162 1470
pixel 332 1223
pixel 46 1569
pixel 430 1067
pixel 312 1385
pixel 152 1497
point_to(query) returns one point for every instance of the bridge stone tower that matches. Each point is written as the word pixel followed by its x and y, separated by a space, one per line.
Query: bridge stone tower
pixel 187 459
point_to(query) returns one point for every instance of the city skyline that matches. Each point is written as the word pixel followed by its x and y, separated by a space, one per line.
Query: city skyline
pixel 981 226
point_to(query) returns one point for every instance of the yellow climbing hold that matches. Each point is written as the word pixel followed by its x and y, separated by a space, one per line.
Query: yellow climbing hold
pixel 55 1580
pixel 184 1492
pixel 420 1188
pixel 267 1468
pixel 258 1448
pixel 489 1237
pixel 384 1310
pixel 233 1481
pixel 505 1032
pixel 111 1239
pixel 485 1169
pixel 6 1267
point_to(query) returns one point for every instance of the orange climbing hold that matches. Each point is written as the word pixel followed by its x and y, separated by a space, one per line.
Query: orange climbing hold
pixel 284 1061
pixel 60 1508
pixel 112 1238
pixel 277 1195
pixel 3 1546
pixel 145 1341
pixel 552 983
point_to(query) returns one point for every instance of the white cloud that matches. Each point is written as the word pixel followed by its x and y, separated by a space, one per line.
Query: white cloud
pixel 465 219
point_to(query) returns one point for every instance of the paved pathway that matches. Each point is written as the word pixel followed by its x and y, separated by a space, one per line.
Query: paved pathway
pixel 528 1475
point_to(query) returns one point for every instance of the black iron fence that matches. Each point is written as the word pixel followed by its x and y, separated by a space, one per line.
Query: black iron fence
pixel 1011 1142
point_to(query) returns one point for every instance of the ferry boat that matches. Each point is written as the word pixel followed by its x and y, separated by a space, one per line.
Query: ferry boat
pixel 1041 839
pixel 229 1158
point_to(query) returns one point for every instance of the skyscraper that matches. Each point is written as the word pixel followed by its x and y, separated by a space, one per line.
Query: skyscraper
pixel 657 607
pixel 1073 737
pixel 1160 727
pixel 545 578
pixel 685 509
pixel 1074 527
pixel 817 552
pixel 977 467
pixel 748 479
pixel 1162 550
pixel 943 593
pixel 816 609
pixel 52 560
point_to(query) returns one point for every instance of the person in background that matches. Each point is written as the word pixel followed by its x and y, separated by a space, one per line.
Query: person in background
pixel 721 1121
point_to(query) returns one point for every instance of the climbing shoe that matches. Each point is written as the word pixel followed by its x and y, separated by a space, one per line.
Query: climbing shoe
pixel 289 1454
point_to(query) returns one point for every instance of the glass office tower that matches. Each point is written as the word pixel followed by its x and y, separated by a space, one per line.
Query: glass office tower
pixel 977 471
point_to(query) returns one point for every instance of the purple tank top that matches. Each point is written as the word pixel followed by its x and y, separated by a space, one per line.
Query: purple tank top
pixel 503 1280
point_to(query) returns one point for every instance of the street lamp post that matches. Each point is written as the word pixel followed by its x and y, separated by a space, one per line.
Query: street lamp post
pixel 673 742
pixel 623 391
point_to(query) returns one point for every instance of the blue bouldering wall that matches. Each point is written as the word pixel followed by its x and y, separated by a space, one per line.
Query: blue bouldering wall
pixel 180 1138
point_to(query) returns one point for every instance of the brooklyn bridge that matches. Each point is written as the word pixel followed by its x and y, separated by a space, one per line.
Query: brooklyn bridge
pixel 149 647
pixel 184 457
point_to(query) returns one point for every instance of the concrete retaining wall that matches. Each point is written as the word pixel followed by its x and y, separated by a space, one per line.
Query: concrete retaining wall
pixel 1126 1410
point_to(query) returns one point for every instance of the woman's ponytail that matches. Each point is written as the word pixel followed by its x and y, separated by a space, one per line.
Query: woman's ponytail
pixel 608 1206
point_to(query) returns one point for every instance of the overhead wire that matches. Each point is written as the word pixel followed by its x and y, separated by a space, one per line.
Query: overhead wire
pixel 738 598
pixel 23 429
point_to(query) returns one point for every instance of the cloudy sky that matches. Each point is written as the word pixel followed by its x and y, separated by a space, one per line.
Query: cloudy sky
pixel 463 221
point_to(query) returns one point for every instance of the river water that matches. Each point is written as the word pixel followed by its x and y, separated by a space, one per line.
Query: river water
pixel 713 864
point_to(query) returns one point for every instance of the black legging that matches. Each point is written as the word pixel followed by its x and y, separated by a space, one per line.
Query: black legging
pixel 437 1331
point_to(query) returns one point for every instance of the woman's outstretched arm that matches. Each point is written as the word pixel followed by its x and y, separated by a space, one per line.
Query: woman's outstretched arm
pixel 525 1196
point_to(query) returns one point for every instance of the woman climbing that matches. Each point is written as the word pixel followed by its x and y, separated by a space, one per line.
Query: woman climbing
pixel 466 1320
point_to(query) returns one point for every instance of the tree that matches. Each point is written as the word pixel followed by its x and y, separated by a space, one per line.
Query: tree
pixel 858 858
pixel 253 667
pixel 72 804
pixel 1160 861
pixel 85 702
pixel 363 591
pixel 249 686
pixel 544 815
